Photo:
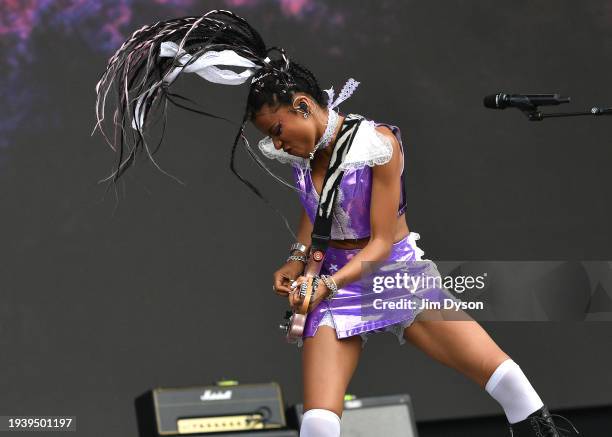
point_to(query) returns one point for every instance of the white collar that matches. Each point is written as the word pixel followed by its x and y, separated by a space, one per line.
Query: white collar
pixel 369 147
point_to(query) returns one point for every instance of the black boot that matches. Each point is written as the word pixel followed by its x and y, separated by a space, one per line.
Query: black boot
pixel 540 424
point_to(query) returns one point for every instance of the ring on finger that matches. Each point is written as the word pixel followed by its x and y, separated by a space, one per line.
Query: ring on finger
pixel 303 289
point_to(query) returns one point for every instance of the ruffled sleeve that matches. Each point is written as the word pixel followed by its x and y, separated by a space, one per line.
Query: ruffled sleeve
pixel 369 147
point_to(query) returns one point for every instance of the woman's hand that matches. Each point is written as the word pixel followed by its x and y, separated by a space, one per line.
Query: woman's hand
pixel 284 276
pixel 295 300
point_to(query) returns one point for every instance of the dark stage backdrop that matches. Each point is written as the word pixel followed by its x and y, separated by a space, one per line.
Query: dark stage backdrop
pixel 104 295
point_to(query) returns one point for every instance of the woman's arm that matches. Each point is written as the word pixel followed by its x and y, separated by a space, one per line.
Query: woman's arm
pixel 289 271
pixel 384 202
pixel 304 230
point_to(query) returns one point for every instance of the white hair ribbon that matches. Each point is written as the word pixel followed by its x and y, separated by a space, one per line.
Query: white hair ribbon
pixel 349 87
pixel 205 66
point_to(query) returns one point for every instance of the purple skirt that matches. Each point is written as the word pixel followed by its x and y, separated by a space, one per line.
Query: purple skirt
pixel 359 307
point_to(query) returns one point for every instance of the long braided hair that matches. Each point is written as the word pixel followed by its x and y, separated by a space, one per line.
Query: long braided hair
pixel 142 74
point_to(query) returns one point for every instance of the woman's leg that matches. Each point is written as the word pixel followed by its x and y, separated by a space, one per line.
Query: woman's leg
pixel 466 347
pixel 460 344
pixel 328 366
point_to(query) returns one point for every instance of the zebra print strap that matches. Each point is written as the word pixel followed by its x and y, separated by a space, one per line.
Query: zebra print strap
pixel 323 220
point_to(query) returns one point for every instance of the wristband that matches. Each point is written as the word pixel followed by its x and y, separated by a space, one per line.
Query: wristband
pixel 299 247
pixel 331 284
pixel 297 258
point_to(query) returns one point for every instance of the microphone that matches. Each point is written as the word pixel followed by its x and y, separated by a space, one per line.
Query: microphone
pixel 523 101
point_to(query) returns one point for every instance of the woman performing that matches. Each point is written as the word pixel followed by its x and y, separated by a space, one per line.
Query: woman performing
pixel 302 127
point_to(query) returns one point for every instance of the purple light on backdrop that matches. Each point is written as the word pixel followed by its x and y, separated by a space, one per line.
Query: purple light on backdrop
pixel 19 18
pixel 103 25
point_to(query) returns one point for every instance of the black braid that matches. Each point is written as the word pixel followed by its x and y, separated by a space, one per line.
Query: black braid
pixel 278 87
pixel 135 73
pixel 319 95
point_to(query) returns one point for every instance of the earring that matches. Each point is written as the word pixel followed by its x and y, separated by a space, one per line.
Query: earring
pixel 303 108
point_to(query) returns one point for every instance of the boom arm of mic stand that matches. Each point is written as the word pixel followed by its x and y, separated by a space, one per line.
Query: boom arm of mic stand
pixel 534 115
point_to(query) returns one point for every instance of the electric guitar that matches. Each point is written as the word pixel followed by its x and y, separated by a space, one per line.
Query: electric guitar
pixel 295 321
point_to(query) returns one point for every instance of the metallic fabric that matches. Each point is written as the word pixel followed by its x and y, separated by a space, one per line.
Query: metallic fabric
pixel 351 213
pixel 354 310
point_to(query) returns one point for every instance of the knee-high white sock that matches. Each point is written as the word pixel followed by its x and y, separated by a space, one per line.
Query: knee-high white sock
pixel 509 386
pixel 319 422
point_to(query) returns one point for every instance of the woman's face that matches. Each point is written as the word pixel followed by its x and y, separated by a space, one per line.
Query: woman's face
pixel 288 128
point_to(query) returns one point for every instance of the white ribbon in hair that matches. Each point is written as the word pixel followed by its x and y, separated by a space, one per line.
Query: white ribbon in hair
pixel 349 87
pixel 204 66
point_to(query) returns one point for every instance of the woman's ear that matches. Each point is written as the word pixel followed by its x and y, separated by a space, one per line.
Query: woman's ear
pixel 301 104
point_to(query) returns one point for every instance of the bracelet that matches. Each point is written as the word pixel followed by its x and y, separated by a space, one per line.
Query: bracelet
pixel 298 253
pixel 331 284
pixel 297 258
pixel 299 247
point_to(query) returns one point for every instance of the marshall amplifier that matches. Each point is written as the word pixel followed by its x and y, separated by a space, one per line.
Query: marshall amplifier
pixel 388 416
pixel 224 408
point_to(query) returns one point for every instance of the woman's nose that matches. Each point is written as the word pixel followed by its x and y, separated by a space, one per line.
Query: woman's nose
pixel 278 144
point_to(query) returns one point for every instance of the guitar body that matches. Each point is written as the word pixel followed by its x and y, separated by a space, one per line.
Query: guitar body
pixel 297 322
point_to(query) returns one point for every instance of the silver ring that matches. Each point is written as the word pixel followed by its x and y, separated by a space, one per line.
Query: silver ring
pixel 303 288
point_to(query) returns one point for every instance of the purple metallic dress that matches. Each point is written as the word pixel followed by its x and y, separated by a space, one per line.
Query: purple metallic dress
pixel 353 311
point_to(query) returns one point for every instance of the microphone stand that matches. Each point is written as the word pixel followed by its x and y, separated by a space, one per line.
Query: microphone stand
pixel 532 113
